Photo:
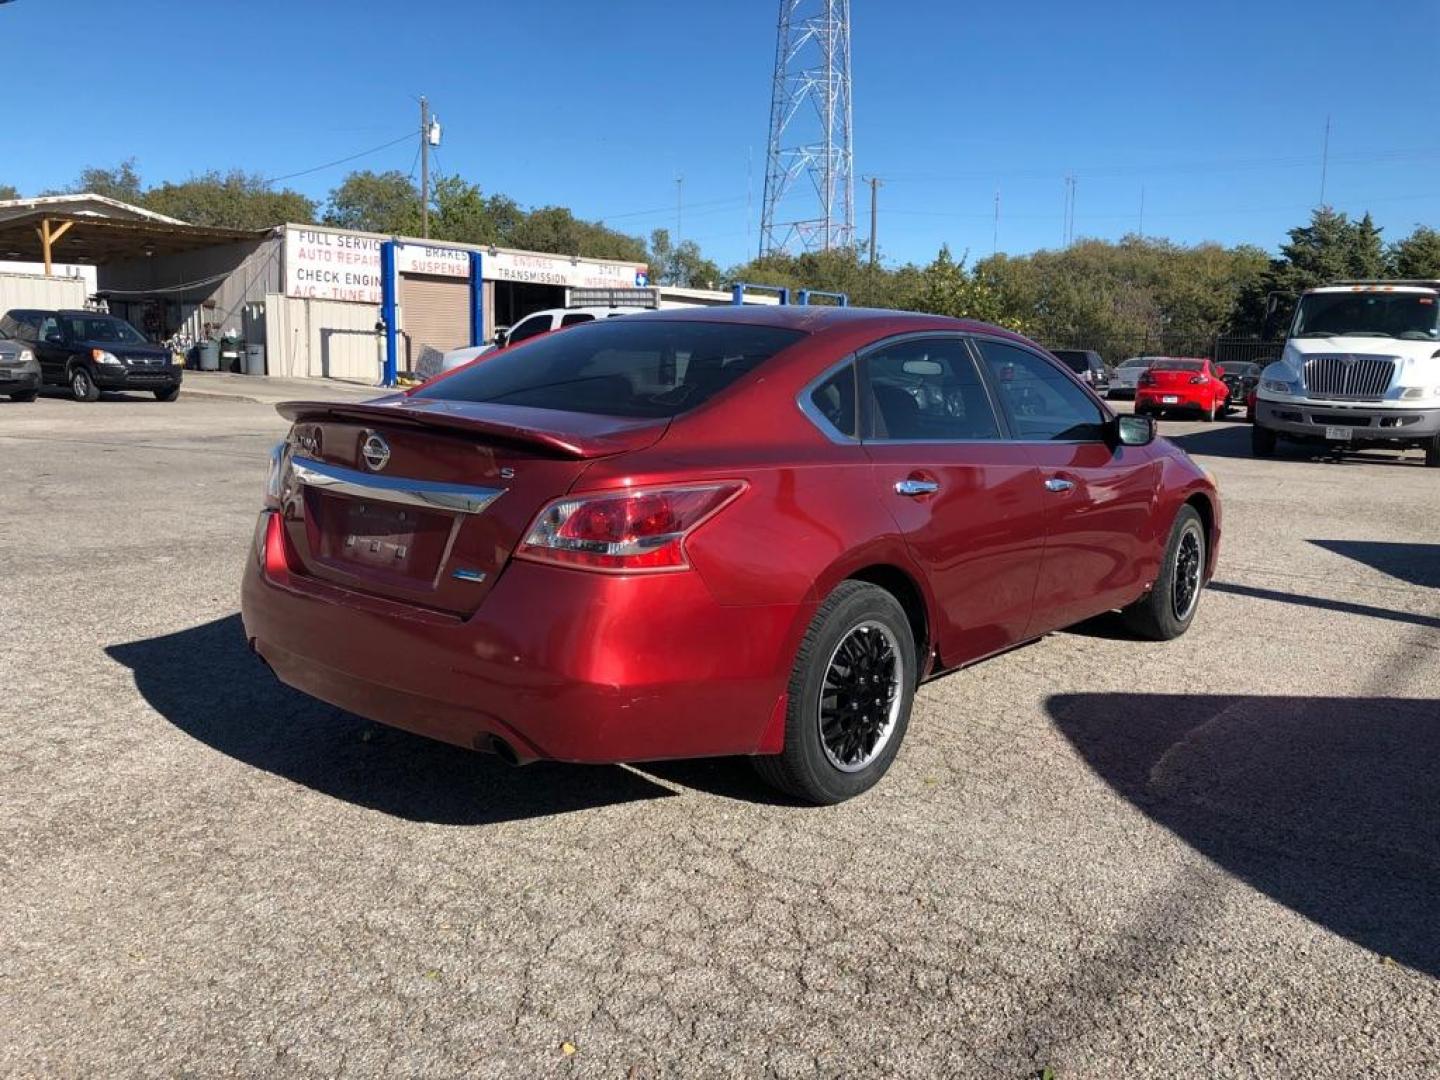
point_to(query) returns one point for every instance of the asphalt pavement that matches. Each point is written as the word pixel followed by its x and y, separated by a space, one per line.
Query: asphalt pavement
pixel 1213 857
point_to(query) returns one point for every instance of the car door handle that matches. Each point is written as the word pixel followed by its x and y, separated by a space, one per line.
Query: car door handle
pixel 1055 483
pixel 916 487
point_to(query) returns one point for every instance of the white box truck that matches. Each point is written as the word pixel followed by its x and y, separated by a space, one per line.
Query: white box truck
pixel 1361 368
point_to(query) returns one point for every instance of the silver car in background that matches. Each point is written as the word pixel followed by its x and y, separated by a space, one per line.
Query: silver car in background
pixel 1126 376
pixel 19 371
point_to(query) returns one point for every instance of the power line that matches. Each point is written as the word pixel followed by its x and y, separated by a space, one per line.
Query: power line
pixel 339 161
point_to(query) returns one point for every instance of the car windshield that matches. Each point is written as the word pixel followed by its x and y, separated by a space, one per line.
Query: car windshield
pixel 1177 365
pixel 625 367
pixel 1368 314
pixel 101 328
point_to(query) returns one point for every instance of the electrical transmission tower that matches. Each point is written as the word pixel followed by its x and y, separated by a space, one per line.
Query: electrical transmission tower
pixel 810 131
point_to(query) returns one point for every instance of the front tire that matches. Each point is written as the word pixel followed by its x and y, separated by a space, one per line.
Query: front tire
pixel 25 395
pixel 82 386
pixel 1262 441
pixel 1168 609
pixel 1432 453
pixel 850 695
pixel 170 393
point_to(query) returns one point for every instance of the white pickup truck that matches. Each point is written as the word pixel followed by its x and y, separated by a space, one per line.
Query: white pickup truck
pixel 1361 368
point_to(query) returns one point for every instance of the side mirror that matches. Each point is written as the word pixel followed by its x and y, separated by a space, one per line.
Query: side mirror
pixel 54 339
pixel 500 337
pixel 1135 430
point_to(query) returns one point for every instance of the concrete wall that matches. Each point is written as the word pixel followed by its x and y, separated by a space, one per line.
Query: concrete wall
pixel 321 339
pixel 39 291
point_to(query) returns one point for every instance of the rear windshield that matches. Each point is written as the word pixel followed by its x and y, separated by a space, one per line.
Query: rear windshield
pixel 1137 361
pixel 621 367
pixel 1177 365
pixel 1075 359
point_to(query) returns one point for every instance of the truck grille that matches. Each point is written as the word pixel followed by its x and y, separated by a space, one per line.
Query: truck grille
pixel 1353 378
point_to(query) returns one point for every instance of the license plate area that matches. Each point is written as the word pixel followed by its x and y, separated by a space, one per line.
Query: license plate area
pixel 1170 399
pixel 1339 434
pixel 372 539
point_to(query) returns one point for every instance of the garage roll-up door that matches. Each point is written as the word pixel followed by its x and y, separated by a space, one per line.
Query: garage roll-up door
pixel 435 315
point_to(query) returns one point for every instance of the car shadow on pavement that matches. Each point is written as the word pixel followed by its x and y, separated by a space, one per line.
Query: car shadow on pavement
pixel 1234 441
pixel 1326 805
pixel 1344 607
pixel 1414 564
pixel 207 683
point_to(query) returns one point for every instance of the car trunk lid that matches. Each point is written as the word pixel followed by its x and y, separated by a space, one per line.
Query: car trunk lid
pixel 423 501
pixel 1172 378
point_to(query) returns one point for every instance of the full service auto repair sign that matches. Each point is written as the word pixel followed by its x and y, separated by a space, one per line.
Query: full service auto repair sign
pixel 327 264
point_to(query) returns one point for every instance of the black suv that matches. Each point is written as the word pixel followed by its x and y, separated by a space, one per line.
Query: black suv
pixel 1087 364
pixel 90 351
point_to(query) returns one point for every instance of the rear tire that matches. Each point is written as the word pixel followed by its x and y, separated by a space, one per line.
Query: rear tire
pixel 82 386
pixel 1262 441
pixel 839 744
pixel 170 393
pixel 25 395
pixel 1168 609
pixel 1209 415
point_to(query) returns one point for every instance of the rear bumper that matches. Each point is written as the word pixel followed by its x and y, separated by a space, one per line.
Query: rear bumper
pixel 1154 399
pixel 1368 424
pixel 561 664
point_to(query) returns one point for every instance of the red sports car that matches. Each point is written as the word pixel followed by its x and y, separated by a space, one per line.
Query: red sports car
pixel 730 531
pixel 1179 384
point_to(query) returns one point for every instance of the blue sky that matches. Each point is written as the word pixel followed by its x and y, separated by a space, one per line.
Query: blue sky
pixel 1216 110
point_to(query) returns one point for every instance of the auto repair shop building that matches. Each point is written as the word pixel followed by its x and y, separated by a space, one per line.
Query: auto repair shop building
pixel 311 295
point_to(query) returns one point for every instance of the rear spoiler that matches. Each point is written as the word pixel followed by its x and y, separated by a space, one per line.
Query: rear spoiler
pixel 564 434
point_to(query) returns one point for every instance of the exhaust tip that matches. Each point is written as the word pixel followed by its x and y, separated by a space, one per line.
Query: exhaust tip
pixel 504 751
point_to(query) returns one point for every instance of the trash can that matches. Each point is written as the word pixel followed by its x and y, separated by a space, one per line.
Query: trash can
pixel 230 355
pixel 209 356
pixel 254 359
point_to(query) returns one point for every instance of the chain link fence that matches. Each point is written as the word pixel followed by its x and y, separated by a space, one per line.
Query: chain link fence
pixel 1114 349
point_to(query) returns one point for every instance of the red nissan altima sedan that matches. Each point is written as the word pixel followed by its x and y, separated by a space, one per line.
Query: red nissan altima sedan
pixel 731 531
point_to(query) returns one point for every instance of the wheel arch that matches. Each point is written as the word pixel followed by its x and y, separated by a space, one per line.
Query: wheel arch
pixel 1205 507
pixel 902 584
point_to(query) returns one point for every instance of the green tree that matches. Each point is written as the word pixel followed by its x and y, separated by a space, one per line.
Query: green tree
pixel 375 202
pixel 122 182
pixel 681 264
pixel 8 191
pixel 233 200
pixel 1418 255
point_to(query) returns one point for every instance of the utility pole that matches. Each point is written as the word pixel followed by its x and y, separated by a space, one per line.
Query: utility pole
pixel 875 185
pixel 995 232
pixel 679 207
pixel 424 168
pixel 1325 159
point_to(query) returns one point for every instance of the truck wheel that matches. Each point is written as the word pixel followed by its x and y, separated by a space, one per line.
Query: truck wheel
pixel 849 698
pixel 82 385
pixel 1168 609
pixel 1262 441
pixel 170 393
pixel 1432 453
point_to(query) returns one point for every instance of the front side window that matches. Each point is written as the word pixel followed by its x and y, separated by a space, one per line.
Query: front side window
pixel 575 317
pixel 1039 399
pixel 49 329
pixel 927 390
pixel 620 367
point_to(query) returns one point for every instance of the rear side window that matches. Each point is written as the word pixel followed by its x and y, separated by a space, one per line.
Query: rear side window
pixel 928 390
pixel 834 401
pixel 621 367
pixel 1078 362
pixel 575 318
pixel 1041 402
pixel 529 328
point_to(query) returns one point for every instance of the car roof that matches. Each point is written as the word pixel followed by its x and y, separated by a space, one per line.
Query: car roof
pixel 815 318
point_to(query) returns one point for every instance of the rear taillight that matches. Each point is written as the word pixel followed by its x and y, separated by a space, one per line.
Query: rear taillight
pixel 641 529
pixel 1198 380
